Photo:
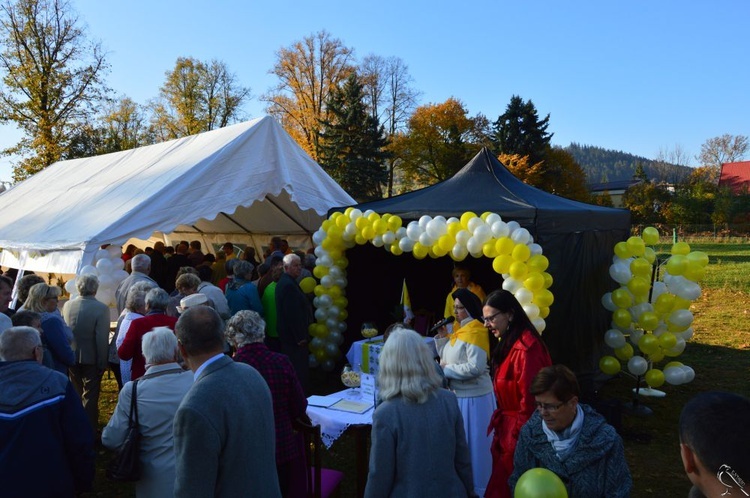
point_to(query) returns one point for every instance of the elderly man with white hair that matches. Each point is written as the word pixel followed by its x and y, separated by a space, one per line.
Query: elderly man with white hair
pixel 294 315
pixel 158 393
pixel 48 446
pixel 141 267
pixel 89 320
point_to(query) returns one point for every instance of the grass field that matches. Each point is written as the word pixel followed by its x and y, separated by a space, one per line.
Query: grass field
pixel 719 352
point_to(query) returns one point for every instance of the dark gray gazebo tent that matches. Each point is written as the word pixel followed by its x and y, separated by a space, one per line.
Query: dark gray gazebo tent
pixel 577 238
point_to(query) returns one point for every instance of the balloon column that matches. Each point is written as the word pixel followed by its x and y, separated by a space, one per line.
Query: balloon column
pixel 515 256
pixel 651 309
pixel 109 268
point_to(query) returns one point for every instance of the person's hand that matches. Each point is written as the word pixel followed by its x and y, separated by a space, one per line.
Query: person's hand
pixel 442 332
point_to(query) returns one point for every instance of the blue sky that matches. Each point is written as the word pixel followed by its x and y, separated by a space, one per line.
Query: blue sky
pixel 638 76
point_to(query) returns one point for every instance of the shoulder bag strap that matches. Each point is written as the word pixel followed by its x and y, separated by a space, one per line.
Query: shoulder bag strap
pixel 133 417
pixel 159 374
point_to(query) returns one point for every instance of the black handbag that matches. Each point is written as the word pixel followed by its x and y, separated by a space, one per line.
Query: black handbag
pixel 126 464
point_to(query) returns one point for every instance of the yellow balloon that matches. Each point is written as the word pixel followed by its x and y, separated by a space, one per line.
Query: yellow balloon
pixel 501 264
pixel 485 215
pixel 649 255
pixel 308 284
pixel 521 252
pixel 639 286
pixel 622 318
pixel 648 320
pixel 518 270
pixel 622 250
pixel 538 262
pixel 488 249
pixel 504 245
pixel 636 246
pixel 544 299
pixel 677 264
pixel 380 227
pixel 648 343
pixel 641 267
pixel 320 271
pixel 347 213
pixel 360 239
pixel 394 223
pixel 654 377
pixel 534 281
pixel 419 251
pixel 373 217
pixel 361 222
pixel 547 280
pixel 396 250
pixel 622 298
pixel 368 232
pixel 680 303
pixel 664 303
pixel 326 225
pixel 438 251
pixel 453 228
pixel 466 217
pixel 609 365
pixel 699 257
pixel 319 290
pixel 681 248
pixel 667 340
pixel 650 236
pixel 694 271
pixel 543 311
pixel 624 353
pixel 446 242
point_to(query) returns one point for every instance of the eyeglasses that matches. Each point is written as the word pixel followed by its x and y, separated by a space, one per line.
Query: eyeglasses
pixel 549 407
pixel 491 317
pixel 459 307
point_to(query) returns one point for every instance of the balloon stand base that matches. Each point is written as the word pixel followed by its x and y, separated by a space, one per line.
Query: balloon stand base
pixel 649 391
pixel 637 409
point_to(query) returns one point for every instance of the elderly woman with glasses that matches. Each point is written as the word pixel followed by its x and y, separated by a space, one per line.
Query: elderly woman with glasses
pixel 463 358
pixel 571 439
pixel 56 336
pixel 516 360
pixel 246 332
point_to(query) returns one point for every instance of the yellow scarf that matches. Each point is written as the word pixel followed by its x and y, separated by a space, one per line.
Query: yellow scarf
pixel 474 333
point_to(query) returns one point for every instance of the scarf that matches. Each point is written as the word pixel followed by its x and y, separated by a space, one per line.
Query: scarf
pixel 563 442
pixel 473 332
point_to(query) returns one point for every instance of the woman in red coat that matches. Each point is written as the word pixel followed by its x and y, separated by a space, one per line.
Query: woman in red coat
pixel 515 362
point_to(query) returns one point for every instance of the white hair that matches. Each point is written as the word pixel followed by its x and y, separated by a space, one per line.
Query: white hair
pixel 245 327
pixel 289 259
pixel 87 285
pixel 159 345
pixel 18 343
pixel 141 263
pixel 407 368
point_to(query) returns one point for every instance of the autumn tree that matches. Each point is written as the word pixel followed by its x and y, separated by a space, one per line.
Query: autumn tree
pixel 723 149
pixel 519 166
pixel 563 176
pixel 196 97
pixel 646 200
pixel 520 131
pixel 390 96
pixel 352 143
pixel 52 79
pixel 440 139
pixel 308 71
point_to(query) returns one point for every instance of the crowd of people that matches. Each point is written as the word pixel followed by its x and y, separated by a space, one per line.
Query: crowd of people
pixel 219 359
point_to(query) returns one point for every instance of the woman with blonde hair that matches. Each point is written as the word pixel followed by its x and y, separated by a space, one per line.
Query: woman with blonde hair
pixel 418 441
pixel 55 334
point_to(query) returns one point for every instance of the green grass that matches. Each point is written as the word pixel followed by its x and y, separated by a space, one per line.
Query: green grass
pixel 719 352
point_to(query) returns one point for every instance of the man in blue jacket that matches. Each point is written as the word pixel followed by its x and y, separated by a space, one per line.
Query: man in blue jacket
pixel 46 442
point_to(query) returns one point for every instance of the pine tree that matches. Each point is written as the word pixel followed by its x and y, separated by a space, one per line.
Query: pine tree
pixel 520 131
pixel 352 143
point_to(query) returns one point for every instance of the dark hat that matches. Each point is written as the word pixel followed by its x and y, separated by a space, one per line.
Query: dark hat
pixel 470 301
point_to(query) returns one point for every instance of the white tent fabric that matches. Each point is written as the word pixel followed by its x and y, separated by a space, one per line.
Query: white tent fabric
pixel 249 178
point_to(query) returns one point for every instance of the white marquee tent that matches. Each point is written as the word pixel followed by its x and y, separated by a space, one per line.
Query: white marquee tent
pixel 243 182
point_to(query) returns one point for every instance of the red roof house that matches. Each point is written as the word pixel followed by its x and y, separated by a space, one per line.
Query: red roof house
pixel 736 176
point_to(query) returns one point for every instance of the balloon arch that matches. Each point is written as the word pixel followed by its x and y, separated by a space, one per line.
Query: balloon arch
pixel 515 256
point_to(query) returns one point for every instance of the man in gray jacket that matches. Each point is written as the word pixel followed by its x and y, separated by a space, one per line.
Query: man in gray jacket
pixel 224 433
pixel 89 320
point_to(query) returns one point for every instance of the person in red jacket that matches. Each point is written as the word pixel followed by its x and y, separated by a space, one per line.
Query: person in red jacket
pixel 516 360
pixel 156 316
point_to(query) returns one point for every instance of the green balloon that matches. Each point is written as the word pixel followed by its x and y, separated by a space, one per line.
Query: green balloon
pixel 540 483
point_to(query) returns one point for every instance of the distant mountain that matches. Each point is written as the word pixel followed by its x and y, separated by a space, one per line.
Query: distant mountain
pixel 605 165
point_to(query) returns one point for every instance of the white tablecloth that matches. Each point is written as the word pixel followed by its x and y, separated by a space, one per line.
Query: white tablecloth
pixel 333 423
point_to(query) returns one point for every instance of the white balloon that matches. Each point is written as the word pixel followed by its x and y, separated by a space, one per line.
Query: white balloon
pixel 104 266
pixel 523 295
pixel 637 365
pixel 512 285
pixel 117 263
pixel 102 254
pixel 690 291
pixel 341 282
pixel 413 231
pixel 520 236
pixel 355 213
pixel 316 302
pixel 424 220
pixel 327 281
pixel 437 227
pixel 350 228
pixel 70 286
pixel 462 237
pixel 426 240
pixel 324 261
pixel 406 244
pixel 687 334
pixel 657 290
pixel 377 241
pixel 607 302
pixel 336 337
pixel 319 251
pixel 473 245
pixel 536 249
pixel 320 314
pixel 459 251
pixel 318 236
pixel 674 376
pixel 325 300
pixel 492 218
pixel 332 323
pixel 120 275
pixel 681 318
pixel 114 251
pixel 688 372
pixel 389 238
pixel 333 312
pixel 678 348
pixel 620 273
pixel 401 233
pixel 88 270
pixel 532 310
pixel 367 213
pixel 500 229
pixel 513 226
pixel 312 361
pixel 614 338
pixel 482 234
pixel 452 219
pixel 539 324
pixel 635 336
pixel 474 223
pixel 342 327
pixel 106 281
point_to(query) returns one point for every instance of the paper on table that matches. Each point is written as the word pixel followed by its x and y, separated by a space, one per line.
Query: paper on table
pixel 324 401
pixel 348 405
pixel 367 387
